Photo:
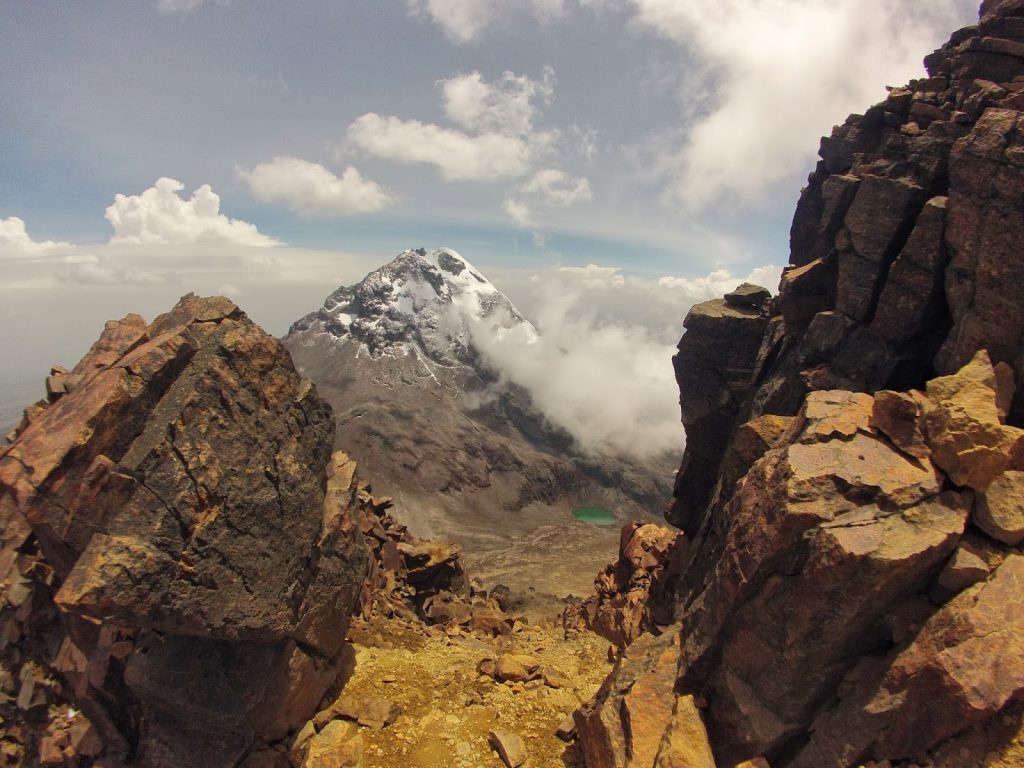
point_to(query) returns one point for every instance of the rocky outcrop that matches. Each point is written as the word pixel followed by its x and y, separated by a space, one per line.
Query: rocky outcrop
pixel 854 515
pixel 418 579
pixel 624 724
pixel 713 369
pixel 636 593
pixel 191 566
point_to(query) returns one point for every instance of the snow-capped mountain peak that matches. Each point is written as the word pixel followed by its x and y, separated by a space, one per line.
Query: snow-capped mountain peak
pixel 431 303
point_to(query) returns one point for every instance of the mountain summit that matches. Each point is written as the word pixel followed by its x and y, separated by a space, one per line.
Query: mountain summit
pixel 422 303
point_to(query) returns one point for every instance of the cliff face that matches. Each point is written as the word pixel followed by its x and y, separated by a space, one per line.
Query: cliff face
pixel 849 594
pixel 173 552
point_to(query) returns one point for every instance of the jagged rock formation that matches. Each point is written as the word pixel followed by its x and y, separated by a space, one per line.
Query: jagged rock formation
pixel 851 592
pixel 466 456
pixel 636 593
pixel 176 564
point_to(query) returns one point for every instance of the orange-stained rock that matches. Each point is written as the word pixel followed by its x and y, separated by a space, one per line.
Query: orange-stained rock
pixel 999 511
pixel 963 427
pixel 635 593
pixel 626 720
pixel 836 413
pixel 685 743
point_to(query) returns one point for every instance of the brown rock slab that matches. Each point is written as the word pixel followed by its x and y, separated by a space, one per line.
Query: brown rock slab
pixel 748 295
pixel 965 568
pixel 900 417
pixel 517 668
pixel 961 668
pixel 176 489
pixel 624 723
pixel 372 712
pixel 509 746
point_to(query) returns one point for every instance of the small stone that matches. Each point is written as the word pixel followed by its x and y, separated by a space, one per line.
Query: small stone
pixel 566 729
pixel 509 746
pixel 999 511
pixel 555 679
pixel 748 295
pixel 371 712
pixel 338 745
pixel 516 667
pixel 965 567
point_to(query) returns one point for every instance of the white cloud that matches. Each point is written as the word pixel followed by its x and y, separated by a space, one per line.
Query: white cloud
pixel 312 190
pixel 464 20
pixel 601 367
pixel 506 106
pixel 100 273
pixel 16 243
pixel 718 283
pixel 518 211
pixel 610 386
pixel 611 297
pixel 547 188
pixel 773 76
pixel 159 216
pixel 459 156
pixel 552 187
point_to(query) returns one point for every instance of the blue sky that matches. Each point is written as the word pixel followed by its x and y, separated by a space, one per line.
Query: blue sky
pixel 658 138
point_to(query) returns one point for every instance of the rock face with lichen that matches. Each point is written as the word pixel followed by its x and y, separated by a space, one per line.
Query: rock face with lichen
pixel 851 591
pixel 173 503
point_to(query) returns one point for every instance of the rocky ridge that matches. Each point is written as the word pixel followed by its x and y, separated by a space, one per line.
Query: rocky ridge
pixel 849 596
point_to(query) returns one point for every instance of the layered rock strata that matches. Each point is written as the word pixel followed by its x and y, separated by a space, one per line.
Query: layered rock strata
pixel 173 505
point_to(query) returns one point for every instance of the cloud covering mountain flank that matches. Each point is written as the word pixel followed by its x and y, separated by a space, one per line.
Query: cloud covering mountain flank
pixel 600 365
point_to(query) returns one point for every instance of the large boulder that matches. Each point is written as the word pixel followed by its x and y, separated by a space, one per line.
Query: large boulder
pixel 178 490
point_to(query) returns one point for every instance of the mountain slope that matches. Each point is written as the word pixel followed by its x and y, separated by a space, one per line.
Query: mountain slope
pixel 466 456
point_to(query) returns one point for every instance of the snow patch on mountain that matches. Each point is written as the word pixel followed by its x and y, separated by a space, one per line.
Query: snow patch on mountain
pixel 426 304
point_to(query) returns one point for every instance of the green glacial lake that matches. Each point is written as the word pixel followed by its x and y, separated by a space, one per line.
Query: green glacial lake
pixel 594 515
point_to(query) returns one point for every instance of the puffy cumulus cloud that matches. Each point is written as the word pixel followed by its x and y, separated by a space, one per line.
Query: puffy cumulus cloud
pixel 458 155
pixel 159 216
pixel 16 243
pixel 312 190
pixel 610 386
pixel 464 20
pixel 505 106
pixel 772 76
pixel 547 188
